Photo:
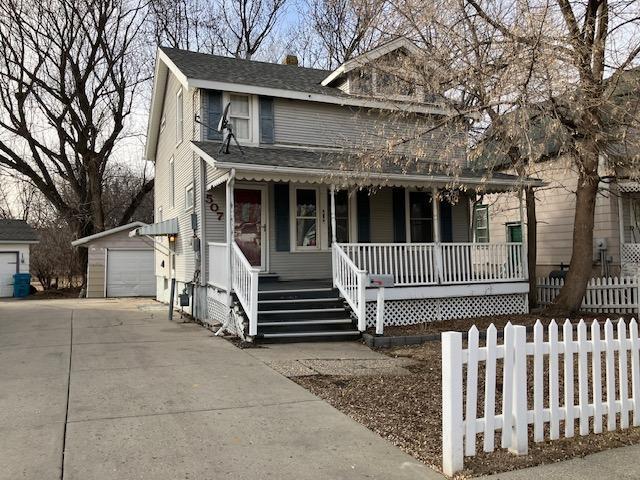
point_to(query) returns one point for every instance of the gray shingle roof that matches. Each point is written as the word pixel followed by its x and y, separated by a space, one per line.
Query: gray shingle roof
pixel 203 66
pixel 301 158
pixel 16 230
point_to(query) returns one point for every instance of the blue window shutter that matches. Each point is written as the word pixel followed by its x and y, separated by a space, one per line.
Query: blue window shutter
pixel 363 216
pixel 399 216
pixel 214 111
pixel 281 208
pixel 446 222
pixel 266 120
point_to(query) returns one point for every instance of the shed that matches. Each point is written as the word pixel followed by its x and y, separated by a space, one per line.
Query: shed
pixel 119 265
pixel 16 238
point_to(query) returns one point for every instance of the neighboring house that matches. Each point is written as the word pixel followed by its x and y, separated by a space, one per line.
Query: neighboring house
pixel 555 210
pixel 301 221
pixel 119 265
pixel 16 238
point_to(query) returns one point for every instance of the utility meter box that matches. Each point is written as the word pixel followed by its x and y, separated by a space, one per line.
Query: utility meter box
pixel 381 280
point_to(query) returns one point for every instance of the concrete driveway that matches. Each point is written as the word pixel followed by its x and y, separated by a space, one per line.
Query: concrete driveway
pixel 109 389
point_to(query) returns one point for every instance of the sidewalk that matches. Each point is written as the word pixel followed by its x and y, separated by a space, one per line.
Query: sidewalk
pixel 618 463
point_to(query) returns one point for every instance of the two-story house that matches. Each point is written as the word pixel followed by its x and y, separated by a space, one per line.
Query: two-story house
pixel 293 229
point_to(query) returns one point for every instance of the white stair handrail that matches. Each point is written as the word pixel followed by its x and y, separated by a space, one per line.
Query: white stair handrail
pixel 351 283
pixel 244 280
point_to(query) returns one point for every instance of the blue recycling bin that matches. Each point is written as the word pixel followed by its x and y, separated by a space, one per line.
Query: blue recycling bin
pixel 21 284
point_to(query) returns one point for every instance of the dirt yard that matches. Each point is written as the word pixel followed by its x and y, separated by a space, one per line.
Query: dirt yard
pixel 406 409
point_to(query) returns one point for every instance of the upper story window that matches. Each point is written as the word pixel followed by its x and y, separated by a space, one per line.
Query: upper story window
pixel 240 116
pixel 179 117
pixel 172 182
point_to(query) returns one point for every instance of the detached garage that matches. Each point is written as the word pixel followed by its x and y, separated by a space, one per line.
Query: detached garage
pixel 16 237
pixel 119 265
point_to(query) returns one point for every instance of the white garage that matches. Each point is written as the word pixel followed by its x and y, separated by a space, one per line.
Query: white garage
pixel 119 265
pixel 16 238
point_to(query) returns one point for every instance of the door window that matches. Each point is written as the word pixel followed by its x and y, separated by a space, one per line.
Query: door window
pixel 247 214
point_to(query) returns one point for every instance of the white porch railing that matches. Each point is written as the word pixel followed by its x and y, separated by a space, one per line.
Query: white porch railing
pixel 409 263
pixel 413 264
pixel 351 282
pixel 219 265
pixel 244 280
pixel 482 262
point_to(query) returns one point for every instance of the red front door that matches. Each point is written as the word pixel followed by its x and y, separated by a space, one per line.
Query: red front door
pixel 248 224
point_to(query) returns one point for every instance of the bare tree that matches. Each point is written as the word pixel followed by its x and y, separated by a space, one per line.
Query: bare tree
pixel 246 24
pixel 346 28
pixel 69 73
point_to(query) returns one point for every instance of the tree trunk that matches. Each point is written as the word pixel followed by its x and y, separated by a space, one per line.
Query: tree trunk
pixel 532 246
pixel 570 298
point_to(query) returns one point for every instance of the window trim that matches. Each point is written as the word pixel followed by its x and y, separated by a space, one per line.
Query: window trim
pixel 476 209
pixel 293 224
pixel 172 181
pixel 179 117
pixel 193 197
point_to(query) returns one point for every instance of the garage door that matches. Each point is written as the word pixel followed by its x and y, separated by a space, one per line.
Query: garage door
pixel 130 273
pixel 7 270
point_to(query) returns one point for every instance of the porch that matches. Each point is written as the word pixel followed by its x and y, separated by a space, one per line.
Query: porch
pixel 302 269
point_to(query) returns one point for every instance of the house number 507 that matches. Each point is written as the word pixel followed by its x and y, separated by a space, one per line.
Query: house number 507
pixel 214 207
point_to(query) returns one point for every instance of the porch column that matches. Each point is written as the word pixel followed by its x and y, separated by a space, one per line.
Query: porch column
pixel 333 234
pixel 621 222
pixel 435 205
pixel 230 224
pixel 333 214
pixel 523 225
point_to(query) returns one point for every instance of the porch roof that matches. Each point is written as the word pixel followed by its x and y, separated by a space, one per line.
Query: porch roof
pixel 323 166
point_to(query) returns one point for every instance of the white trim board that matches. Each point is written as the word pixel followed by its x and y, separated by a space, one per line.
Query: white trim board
pixel 447 291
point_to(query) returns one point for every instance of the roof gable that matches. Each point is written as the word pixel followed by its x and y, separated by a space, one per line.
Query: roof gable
pixel 401 43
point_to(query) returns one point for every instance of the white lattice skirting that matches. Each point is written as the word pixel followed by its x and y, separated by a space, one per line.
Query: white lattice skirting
pixel 217 311
pixel 408 312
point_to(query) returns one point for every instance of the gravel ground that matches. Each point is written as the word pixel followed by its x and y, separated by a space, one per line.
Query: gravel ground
pixel 406 409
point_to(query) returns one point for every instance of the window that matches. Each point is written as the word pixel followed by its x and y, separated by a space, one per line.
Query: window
pixel 420 217
pixel 481 223
pixel 179 117
pixel 306 213
pixel 172 182
pixel 342 216
pixel 239 116
pixel 159 214
pixel 163 122
pixel 188 197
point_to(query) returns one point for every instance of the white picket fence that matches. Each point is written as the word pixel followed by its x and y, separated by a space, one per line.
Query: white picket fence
pixel 603 295
pixel 461 423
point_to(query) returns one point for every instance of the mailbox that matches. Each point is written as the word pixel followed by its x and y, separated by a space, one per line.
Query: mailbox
pixel 381 280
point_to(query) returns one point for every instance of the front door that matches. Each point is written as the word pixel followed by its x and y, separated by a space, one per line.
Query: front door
pixel 249 224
